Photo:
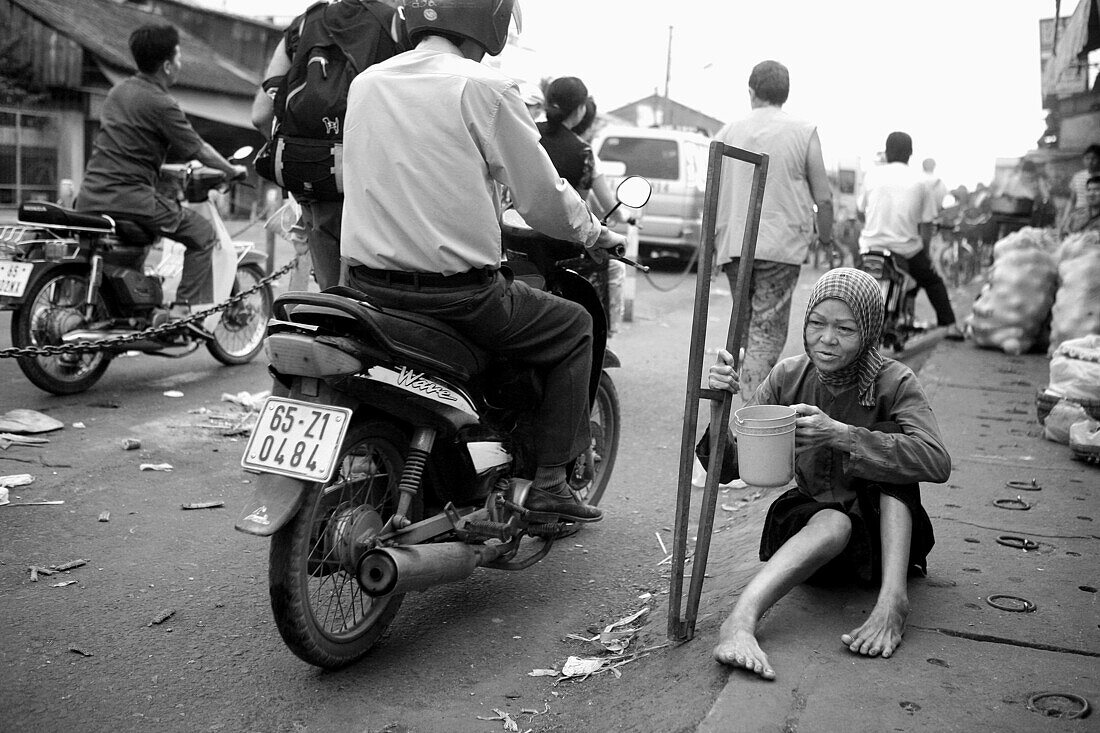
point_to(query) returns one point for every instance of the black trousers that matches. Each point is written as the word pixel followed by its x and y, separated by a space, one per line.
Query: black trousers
pixel 920 267
pixel 534 327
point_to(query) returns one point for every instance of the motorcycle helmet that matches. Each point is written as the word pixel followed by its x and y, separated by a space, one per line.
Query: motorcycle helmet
pixel 485 22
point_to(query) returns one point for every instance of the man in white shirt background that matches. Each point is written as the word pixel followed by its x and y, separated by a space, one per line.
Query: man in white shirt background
pixel 897 207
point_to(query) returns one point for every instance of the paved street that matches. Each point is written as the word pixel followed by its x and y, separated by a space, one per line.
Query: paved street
pixel 88 656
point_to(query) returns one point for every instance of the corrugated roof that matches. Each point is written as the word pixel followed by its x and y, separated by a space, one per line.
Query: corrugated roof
pixel 103 27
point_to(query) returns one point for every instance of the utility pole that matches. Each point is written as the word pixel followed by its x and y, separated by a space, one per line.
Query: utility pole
pixel 667 117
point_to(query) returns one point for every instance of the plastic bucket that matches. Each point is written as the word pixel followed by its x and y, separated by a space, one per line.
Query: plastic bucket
pixel 765 444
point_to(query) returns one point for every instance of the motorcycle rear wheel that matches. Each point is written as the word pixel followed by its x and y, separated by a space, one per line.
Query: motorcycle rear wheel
pixel 239 335
pixel 54 306
pixel 322 613
pixel 606 427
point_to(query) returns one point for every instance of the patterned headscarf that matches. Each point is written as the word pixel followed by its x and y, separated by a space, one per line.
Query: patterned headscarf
pixel 861 293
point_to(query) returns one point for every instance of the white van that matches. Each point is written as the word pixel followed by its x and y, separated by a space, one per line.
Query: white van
pixel 675 162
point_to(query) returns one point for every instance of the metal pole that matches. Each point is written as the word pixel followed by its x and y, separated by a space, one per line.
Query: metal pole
pixel 628 282
pixel 683 628
pixel 667 116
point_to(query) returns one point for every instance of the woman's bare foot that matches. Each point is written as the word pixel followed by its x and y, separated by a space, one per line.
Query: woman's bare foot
pixel 881 633
pixel 738 647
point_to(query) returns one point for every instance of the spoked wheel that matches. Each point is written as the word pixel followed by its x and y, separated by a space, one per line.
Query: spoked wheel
pixel 605 427
pixel 239 335
pixel 321 611
pixel 54 306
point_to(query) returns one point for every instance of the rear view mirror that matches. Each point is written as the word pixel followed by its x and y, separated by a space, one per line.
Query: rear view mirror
pixel 634 192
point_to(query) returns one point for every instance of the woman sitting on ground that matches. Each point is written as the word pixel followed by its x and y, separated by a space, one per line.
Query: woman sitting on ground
pixel 864 436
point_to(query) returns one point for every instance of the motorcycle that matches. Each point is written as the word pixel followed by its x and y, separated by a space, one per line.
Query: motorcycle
pixel 394 455
pixel 85 287
pixel 900 331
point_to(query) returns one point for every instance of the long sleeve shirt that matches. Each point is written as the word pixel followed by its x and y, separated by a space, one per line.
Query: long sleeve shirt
pixel 915 454
pixel 428 136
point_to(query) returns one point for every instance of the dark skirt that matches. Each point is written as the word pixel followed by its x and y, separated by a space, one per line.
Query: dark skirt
pixel 861 560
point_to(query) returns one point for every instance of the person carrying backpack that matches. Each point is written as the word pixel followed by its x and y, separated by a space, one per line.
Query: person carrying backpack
pixel 300 109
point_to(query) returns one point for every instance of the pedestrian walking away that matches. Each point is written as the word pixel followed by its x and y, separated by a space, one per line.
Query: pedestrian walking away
pixel 349 35
pixel 797 182
pixel 865 436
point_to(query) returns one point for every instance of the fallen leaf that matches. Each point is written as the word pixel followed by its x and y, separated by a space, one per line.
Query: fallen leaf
pixel 155 467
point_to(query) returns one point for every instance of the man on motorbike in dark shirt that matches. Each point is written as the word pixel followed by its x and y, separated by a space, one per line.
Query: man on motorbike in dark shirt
pixel 138 126
pixel 429 135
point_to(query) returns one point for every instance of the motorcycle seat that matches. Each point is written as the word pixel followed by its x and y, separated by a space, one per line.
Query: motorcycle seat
pixel 421 339
pixel 46 214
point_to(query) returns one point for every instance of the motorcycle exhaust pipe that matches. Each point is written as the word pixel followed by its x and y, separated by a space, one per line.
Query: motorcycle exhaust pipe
pixel 387 570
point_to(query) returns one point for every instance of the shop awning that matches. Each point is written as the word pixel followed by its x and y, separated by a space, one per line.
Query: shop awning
pixel 1067 71
pixel 232 110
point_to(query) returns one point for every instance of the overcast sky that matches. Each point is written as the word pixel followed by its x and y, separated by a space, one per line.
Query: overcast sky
pixel 961 76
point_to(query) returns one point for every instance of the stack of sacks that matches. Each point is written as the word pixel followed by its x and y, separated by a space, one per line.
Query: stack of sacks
pixel 1013 306
pixel 1076 310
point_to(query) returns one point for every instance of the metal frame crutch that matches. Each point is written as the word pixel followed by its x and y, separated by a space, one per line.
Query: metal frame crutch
pixel 683 629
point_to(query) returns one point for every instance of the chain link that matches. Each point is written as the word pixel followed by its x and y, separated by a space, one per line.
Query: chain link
pixel 80 347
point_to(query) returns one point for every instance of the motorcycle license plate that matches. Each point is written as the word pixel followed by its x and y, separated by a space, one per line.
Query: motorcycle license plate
pixel 297 439
pixel 14 277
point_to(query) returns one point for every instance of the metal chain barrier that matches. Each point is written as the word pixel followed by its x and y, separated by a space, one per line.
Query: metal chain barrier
pixel 92 346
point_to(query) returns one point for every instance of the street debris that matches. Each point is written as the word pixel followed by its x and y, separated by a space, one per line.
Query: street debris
pixel 742 502
pixel 81 652
pixel 79 425
pixel 173 393
pixel 664 550
pixel 37 570
pixel 250 402
pixel 63 583
pixel 34 503
pixel 9 439
pixel 155 467
pixel 16 479
pixel 28 421
pixel 509 724
pixel 615 638
pixel 131 444
pixel 69 565
pixel 203 505
pixel 162 617
pixel 104 517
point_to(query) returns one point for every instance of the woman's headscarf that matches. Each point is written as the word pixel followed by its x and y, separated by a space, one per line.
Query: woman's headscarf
pixel 861 293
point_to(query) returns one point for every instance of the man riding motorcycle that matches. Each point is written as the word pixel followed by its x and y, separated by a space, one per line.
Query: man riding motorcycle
pixel 429 135
pixel 139 123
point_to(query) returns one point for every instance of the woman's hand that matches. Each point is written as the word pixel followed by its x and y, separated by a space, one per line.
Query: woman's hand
pixel 814 429
pixel 722 374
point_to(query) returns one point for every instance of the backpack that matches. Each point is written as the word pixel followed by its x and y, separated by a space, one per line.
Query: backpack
pixel 335 41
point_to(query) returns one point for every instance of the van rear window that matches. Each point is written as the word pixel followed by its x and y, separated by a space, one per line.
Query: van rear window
pixel 648 157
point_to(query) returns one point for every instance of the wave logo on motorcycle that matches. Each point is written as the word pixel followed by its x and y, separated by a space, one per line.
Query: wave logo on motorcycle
pixel 417 382
pixel 85 287
pixel 429 478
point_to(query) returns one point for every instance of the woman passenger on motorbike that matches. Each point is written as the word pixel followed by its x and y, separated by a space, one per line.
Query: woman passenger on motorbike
pixel 864 436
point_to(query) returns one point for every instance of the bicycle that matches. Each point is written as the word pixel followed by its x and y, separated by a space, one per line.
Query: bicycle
pixel 957 262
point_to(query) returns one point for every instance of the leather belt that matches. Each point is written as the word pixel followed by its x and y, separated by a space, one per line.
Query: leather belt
pixel 426 279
